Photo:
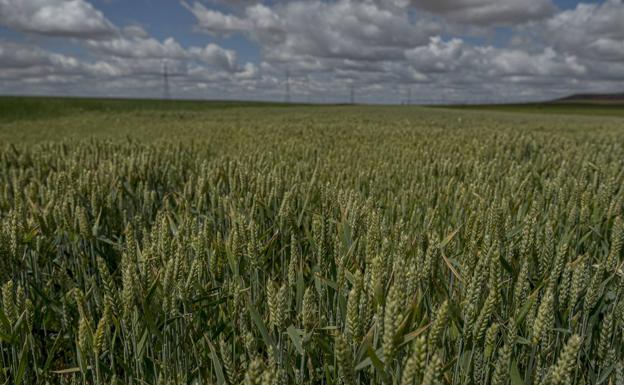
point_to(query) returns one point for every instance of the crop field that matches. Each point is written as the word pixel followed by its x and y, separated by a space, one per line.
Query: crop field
pixel 603 108
pixel 171 243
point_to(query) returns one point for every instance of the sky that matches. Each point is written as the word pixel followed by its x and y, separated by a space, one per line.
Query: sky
pixel 384 51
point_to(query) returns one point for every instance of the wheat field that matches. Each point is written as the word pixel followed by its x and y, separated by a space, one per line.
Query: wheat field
pixel 311 245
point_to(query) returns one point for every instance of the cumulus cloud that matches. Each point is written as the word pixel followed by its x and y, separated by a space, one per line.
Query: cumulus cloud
pixel 74 18
pixel 212 21
pixel 301 30
pixel 548 63
pixel 24 63
pixel 442 50
pixel 488 12
pixel 216 56
pixel 113 53
pixel 139 48
pixel 394 43
pixel 14 55
pixel 441 56
pixel 32 69
pixel 593 30
pixel 135 30
pixel 455 56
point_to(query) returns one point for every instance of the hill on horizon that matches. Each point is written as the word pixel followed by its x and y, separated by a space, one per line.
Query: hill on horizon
pixel 590 97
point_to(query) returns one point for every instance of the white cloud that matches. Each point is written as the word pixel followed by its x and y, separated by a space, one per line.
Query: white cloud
pixel 589 30
pixel 136 44
pixel 34 65
pixel 507 62
pixel 123 65
pixel 214 21
pixel 442 49
pixel 609 49
pixel 14 55
pixel 139 48
pixel 135 30
pixel 75 18
pixel 305 31
pixel 216 56
pixel 443 56
pixel 488 12
pixel 456 56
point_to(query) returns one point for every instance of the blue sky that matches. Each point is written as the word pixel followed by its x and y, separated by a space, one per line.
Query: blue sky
pixel 441 50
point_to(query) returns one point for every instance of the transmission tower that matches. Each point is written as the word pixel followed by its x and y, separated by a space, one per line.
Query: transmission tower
pixel 166 91
pixel 308 90
pixel 287 96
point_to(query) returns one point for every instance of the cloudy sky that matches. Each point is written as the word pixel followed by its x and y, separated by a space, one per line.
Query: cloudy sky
pixel 385 50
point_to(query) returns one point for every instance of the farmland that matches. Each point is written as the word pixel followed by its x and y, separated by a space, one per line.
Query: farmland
pixel 182 242
pixel 587 108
